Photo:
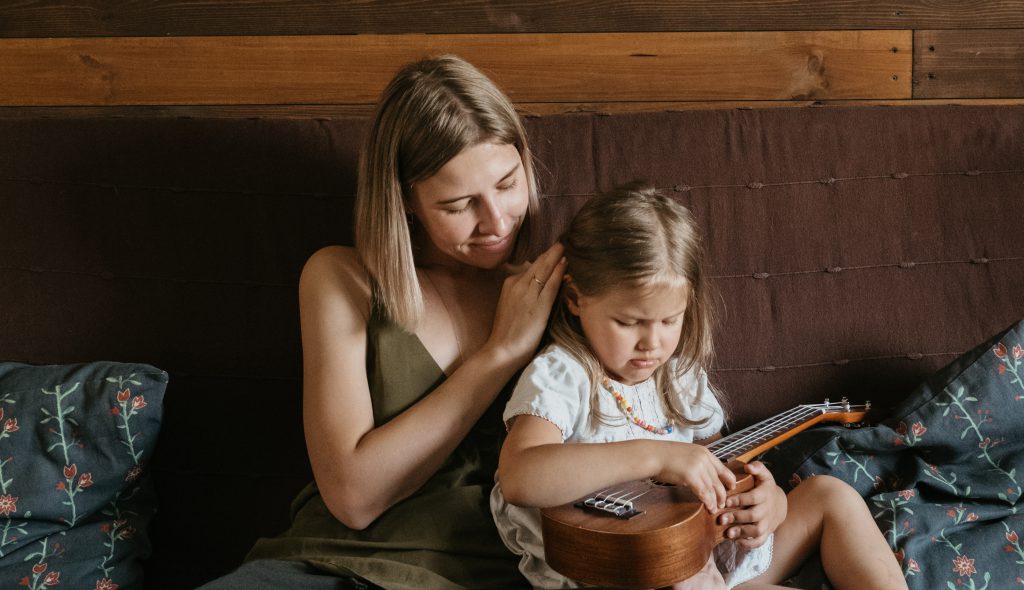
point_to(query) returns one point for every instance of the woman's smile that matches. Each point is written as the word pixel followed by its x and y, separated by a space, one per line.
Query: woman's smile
pixel 496 245
pixel 473 207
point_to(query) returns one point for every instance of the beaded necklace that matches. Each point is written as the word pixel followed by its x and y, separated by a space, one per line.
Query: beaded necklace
pixel 627 409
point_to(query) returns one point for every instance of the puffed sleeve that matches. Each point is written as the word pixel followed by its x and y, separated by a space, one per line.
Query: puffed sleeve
pixel 554 387
pixel 700 403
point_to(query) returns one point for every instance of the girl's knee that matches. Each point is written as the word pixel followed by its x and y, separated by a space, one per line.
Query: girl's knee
pixel 825 488
pixel 829 498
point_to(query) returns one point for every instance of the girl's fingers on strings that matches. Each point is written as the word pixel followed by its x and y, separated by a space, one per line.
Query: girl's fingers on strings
pixel 725 474
pixel 725 480
pixel 709 498
pixel 703 488
pixel 720 495
pixel 717 492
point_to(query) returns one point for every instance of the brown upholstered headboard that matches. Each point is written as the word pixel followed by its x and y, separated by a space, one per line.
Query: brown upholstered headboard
pixel 856 250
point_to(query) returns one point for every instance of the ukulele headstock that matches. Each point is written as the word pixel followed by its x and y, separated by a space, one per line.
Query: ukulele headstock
pixel 842 411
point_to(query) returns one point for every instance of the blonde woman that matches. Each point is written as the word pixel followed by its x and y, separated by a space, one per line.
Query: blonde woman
pixel 408 340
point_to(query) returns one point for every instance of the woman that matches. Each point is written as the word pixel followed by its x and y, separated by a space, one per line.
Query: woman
pixel 408 340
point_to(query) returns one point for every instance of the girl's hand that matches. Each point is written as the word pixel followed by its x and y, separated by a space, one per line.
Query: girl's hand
pixel 695 467
pixel 525 304
pixel 763 509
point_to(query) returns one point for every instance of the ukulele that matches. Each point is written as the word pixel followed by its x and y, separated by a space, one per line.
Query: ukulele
pixel 648 534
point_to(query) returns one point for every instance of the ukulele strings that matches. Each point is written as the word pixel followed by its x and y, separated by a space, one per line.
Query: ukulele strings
pixel 613 496
pixel 763 431
pixel 737 442
pixel 727 447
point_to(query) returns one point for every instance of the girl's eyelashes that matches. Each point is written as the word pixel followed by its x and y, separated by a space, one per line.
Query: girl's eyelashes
pixel 509 186
pixel 628 323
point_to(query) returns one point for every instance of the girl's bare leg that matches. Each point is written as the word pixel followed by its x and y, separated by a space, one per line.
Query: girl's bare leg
pixel 708 578
pixel 826 513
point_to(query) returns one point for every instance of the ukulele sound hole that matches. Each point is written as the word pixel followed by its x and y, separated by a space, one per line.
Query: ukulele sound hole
pixel 661 484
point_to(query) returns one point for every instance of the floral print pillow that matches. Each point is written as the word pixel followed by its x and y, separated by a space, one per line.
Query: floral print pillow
pixel 943 476
pixel 75 498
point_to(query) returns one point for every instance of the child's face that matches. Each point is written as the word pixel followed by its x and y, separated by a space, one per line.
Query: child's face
pixel 632 331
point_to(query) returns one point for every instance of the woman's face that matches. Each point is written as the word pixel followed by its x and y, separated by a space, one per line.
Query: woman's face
pixel 473 207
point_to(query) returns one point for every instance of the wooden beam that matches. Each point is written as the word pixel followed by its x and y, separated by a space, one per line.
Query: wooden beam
pixel 89 18
pixel 564 67
pixel 527 110
pixel 969 64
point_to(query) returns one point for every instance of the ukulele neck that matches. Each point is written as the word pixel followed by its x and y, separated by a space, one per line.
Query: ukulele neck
pixel 746 444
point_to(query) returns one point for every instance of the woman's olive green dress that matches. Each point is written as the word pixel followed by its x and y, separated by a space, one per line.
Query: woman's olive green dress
pixel 442 537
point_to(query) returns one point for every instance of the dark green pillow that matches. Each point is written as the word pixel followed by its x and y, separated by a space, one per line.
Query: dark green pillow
pixel 943 475
pixel 75 496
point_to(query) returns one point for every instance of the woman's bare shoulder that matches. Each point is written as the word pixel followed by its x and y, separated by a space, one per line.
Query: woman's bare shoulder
pixel 337 258
pixel 336 272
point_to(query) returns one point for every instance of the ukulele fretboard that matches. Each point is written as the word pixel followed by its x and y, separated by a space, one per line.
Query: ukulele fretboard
pixel 766 431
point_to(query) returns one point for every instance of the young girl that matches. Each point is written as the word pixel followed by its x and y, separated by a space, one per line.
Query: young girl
pixel 627 369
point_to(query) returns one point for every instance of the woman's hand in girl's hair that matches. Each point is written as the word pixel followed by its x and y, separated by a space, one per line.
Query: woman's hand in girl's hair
pixel 525 304
pixel 763 509
pixel 694 466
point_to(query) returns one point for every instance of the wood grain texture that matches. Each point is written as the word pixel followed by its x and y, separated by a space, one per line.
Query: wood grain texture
pixel 570 67
pixel 91 18
pixel 970 64
pixel 670 541
pixel 527 110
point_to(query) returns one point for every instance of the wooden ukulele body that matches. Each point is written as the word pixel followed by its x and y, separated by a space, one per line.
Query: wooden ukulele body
pixel 655 534
pixel 670 541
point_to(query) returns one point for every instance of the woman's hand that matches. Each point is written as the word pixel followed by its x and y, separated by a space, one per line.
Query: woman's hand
pixel 525 304
pixel 762 509
pixel 695 467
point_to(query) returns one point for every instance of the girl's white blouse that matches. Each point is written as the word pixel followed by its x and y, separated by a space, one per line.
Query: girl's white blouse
pixel 555 387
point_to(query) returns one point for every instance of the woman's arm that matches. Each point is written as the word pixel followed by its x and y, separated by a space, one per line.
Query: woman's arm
pixel 362 470
pixel 537 469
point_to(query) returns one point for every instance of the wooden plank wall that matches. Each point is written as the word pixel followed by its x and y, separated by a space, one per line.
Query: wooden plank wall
pixel 322 57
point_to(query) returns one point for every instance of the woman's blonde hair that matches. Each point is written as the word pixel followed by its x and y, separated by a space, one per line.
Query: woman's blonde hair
pixel 637 237
pixel 431 111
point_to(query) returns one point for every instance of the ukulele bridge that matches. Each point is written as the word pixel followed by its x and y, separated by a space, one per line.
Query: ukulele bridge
pixel 618 508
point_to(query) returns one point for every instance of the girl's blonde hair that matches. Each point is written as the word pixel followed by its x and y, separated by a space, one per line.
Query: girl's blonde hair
pixel 637 237
pixel 431 111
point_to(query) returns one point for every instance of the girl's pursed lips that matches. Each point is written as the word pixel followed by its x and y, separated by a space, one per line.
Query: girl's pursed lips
pixel 644 362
